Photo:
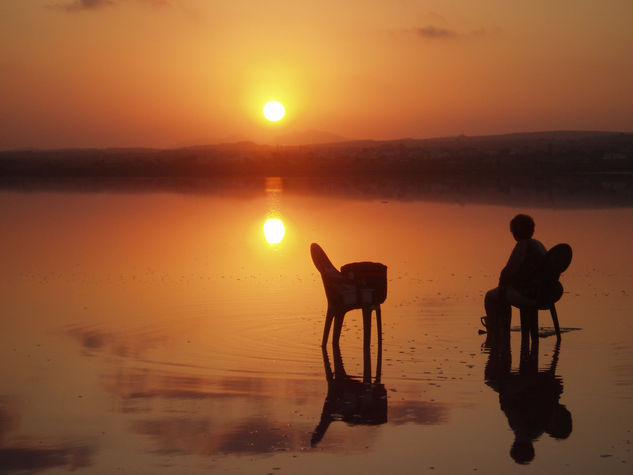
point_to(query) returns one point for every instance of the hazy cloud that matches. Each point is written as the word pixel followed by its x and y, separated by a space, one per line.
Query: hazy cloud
pixel 434 32
pixel 82 5
pixel 78 5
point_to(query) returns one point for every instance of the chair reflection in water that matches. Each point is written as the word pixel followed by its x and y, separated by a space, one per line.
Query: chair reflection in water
pixel 348 399
pixel 360 285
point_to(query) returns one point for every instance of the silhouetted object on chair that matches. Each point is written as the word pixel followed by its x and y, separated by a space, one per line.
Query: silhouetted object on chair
pixel 529 398
pixel 529 281
pixel 348 399
pixel 547 290
pixel 359 285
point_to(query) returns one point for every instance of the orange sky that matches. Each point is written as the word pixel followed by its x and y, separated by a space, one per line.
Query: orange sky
pixel 167 73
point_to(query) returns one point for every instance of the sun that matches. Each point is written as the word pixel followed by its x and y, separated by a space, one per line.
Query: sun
pixel 274 111
pixel 274 230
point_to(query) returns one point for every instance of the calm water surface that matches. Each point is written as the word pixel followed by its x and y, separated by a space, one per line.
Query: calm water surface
pixel 160 332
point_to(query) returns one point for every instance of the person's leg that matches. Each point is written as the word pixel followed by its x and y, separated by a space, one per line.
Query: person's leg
pixel 525 315
pixel 514 297
pixel 498 314
pixel 529 313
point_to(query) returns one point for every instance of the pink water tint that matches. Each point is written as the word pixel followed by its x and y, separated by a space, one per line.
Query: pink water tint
pixel 161 330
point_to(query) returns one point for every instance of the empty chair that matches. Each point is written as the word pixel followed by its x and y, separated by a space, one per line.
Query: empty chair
pixel 359 285
pixel 547 290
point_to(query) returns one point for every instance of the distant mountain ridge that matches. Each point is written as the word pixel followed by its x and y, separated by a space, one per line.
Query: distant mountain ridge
pixel 309 137
pixel 521 154
pixel 551 167
pixel 320 138
pixel 328 139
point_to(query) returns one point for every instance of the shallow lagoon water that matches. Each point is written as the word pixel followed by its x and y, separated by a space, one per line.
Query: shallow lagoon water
pixel 159 332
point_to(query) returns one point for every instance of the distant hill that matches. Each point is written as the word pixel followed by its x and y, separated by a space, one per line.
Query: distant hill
pixel 525 154
pixel 565 168
pixel 309 137
pixel 512 138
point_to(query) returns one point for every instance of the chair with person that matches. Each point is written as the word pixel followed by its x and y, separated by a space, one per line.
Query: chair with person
pixel 529 281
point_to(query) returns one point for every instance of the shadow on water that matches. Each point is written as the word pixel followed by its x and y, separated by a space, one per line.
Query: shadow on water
pixel 529 397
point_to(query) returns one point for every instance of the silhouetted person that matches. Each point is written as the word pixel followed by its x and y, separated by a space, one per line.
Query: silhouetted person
pixel 517 285
pixel 529 398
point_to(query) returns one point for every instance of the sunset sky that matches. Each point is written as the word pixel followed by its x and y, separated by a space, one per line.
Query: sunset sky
pixel 167 73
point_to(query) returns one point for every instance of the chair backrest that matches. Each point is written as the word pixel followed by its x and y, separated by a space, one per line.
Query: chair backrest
pixel 556 261
pixel 330 275
pixel 321 260
pixel 357 275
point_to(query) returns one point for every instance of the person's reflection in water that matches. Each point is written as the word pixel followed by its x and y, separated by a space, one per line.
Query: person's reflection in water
pixel 350 400
pixel 529 398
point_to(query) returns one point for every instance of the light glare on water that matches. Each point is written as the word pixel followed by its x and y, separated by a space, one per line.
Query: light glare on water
pixel 274 230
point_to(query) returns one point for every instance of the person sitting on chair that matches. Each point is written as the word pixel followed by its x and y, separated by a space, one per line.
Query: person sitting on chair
pixel 516 282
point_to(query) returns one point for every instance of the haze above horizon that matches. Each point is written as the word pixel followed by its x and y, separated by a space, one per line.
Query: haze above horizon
pixel 168 73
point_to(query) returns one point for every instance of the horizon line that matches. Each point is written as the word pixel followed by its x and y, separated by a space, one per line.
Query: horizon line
pixel 316 144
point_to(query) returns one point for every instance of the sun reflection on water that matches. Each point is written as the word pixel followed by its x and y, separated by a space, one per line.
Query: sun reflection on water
pixel 274 231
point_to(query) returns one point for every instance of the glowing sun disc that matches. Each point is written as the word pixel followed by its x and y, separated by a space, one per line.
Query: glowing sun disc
pixel 274 111
pixel 274 230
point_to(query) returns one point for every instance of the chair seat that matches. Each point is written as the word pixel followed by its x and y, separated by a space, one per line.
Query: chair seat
pixel 370 280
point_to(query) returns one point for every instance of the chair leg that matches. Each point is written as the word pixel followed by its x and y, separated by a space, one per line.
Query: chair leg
pixel 529 324
pixel 379 325
pixel 329 316
pixel 534 327
pixel 525 328
pixel 379 338
pixel 552 310
pixel 338 326
pixel 367 344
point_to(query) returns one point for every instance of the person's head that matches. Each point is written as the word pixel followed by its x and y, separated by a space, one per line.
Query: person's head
pixel 522 226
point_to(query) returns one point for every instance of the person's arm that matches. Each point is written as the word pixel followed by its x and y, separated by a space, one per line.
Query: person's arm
pixel 514 263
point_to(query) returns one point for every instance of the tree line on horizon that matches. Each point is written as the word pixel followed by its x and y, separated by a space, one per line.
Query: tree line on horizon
pixel 555 153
